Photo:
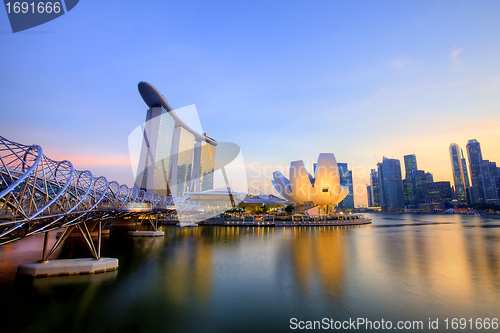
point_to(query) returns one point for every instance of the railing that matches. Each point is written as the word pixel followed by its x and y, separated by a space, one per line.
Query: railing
pixel 38 194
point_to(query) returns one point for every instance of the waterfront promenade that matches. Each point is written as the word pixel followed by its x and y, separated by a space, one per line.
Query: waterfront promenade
pixel 291 221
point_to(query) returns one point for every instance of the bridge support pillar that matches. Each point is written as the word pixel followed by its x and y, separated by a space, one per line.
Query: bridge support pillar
pixel 47 267
pixel 148 233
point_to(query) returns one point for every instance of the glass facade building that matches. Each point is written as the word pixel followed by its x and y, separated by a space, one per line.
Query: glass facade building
pixel 391 184
pixel 346 180
pixel 162 158
pixel 369 194
pixel 409 190
pixel 410 164
pixel 460 175
pixel 438 192
pixel 184 162
pixel 475 157
pixel 375 188
pixel 489 176
pixel 207 166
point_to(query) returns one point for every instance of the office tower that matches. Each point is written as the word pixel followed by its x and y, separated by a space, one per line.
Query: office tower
pixel 410 164
pixel 346 180
pixel 375 188
pixel 409 190
pixel 438 192
pixel 489 175
pixel 422 180
pixel 414 182
pixel 475 157
pixel 369 194
pixel 391 184
pixel 460 176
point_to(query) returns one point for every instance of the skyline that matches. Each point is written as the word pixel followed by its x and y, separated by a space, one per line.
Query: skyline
pixel 284 89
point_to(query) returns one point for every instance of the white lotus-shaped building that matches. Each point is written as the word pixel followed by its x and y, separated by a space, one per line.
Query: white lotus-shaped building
pixel 322 190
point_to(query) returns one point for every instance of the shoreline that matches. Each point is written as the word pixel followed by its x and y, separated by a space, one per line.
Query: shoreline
pixel 236 223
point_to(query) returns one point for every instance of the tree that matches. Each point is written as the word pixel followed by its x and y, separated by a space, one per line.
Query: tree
pixel 264 208
pixel 289 209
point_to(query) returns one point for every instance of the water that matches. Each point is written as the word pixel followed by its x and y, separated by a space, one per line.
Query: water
pixel 229 279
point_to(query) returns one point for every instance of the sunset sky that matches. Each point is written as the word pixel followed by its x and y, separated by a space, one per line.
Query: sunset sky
pixel 285 80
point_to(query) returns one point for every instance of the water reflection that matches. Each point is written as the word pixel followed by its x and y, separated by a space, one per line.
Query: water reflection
pixel 224 279
pixel 315 254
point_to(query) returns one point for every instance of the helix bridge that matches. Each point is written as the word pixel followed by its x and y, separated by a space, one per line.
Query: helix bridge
pixel 38 195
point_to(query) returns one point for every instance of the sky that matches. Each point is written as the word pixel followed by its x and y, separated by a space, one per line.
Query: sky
pixel 285 80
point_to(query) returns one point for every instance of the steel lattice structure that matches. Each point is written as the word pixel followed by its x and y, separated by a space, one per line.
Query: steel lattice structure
pixel 38 194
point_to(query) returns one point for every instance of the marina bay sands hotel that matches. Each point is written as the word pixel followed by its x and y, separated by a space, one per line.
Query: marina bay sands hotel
pixel 174 157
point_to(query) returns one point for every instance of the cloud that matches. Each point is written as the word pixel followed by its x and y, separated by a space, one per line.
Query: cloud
pixel 401 63
pixel 454 57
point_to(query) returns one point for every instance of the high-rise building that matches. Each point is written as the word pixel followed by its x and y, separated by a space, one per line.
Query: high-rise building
pixel 369 194
pixel 475 157
pixel 409 190
pixel 375 188
pixel 414 182
pixel 438 192
pixel 391 184
pixel 174 158
pixel 410 164
pixel 346 180
pixel 489 174
pixel 421 179
pixel 460 175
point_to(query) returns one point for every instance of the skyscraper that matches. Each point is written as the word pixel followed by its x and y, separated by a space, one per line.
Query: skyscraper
pixel 409 190
pixel 489 176
pixel 475 157
pixel 375 188
pixel 391 184
pixel 410 164
pixel 460 175
pixel 369 194
pixel 346 180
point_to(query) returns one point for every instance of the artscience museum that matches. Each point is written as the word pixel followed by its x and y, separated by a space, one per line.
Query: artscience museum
pixel 322 189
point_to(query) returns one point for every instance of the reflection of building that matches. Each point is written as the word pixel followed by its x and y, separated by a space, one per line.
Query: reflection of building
pixel 189 272
pixel 323 190
pixel 460 176
pixel 174 158
pixel 317 255
pixel 391 184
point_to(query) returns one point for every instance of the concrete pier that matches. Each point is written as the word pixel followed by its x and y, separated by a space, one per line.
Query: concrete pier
pixel 281 223
pixel 144 233
pixel 68 267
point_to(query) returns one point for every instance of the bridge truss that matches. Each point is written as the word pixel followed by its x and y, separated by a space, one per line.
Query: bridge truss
pixel 38 194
